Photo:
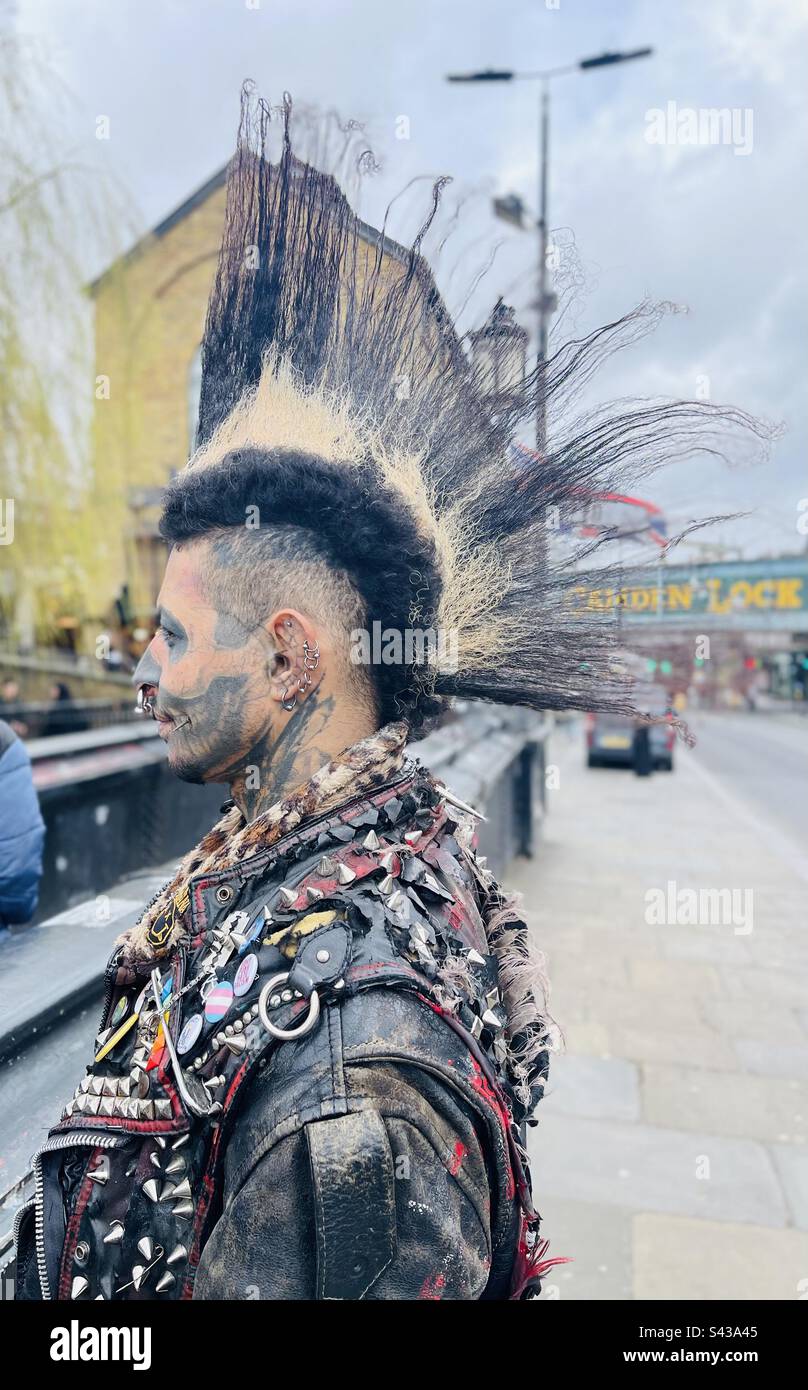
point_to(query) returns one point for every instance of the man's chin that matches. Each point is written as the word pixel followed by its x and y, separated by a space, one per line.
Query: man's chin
pixel 185 767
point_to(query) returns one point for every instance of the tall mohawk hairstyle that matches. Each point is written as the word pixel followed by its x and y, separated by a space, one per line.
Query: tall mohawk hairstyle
pixel 337 396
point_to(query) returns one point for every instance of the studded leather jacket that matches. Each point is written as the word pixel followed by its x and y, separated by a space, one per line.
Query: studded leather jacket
pixel 312 1099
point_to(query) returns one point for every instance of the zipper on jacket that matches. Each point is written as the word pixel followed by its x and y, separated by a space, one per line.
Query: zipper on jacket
pixel 59 1141
pixel 15 1230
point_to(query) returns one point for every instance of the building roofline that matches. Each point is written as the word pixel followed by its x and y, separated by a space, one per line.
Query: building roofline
pixel 368 233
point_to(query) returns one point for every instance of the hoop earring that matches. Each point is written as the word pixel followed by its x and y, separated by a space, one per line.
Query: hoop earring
pixel 289 705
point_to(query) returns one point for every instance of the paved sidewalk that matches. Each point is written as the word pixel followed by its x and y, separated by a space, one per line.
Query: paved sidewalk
pixel 671 1158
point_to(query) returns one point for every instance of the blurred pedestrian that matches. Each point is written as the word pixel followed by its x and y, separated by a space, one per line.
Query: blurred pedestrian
pixel 63 717
pixel 10 702
pixel 22 832
pixel 642 761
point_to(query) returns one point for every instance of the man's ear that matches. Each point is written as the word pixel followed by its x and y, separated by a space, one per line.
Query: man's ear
pixel 294 667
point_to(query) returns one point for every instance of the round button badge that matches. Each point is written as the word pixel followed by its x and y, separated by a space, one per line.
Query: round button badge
pixel 190 1032
pixel 245 974
pixel 218 1002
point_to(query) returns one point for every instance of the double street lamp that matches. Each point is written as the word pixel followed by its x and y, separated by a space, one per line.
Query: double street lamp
pixel 546 302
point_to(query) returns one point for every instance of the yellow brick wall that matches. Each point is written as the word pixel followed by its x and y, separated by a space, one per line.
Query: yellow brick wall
pixel 149 317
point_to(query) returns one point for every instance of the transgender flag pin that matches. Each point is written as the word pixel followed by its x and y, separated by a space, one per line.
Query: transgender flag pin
pixel 218 1002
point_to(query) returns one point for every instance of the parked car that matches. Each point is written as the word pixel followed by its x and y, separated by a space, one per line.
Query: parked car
pixel 610 737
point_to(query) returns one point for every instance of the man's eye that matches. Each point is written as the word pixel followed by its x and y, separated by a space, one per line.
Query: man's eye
pixel 167 635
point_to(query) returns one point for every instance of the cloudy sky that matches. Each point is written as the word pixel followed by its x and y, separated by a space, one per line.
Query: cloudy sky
pixel 714 226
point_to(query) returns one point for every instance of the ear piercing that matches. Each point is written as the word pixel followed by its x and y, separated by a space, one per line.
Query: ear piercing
pixel 311 660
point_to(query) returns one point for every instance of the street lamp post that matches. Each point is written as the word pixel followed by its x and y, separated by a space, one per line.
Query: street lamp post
pixel 546 303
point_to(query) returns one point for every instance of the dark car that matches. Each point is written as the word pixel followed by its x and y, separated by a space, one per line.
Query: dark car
pixel 610 737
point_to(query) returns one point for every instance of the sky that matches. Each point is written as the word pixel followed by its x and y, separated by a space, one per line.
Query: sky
pixel 714 225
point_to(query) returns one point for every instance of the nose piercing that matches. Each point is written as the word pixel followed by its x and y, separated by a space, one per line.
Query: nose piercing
pixel 143 703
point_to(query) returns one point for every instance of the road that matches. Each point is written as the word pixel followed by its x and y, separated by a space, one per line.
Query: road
pixel 763 760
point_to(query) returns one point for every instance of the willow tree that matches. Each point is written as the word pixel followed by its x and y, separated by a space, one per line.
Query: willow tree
pixel 58 217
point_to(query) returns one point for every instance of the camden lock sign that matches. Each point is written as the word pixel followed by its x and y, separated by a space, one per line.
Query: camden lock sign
pixel 736 596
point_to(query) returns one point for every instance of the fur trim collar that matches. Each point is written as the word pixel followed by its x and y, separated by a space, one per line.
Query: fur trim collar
pixel 362 767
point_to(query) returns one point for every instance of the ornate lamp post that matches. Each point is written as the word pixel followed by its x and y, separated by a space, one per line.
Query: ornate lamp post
pixel 499 358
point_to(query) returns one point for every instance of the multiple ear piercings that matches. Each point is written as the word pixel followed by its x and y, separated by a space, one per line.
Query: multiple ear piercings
pixel 311 660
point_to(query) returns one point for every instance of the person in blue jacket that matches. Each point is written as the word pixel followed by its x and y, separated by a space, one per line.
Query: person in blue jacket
pixel 22 832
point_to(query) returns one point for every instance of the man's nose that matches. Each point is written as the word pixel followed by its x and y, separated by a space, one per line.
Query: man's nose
pixel 147 671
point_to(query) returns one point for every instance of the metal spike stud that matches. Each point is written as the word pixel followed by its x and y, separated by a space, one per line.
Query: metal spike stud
pixel 387 861
pixel 177 1165
pixel 138 1272
pixel 326 867
pixel 287 896
pixel 387 884
pixel 152 1189
pixel 345 875
pixel 455 801
pixel 100 1173
pixel 371 840
pixel 178 1255
pixel 146 1247
pixel 114 1234
pixel 314 894
pixel 184 1209
pixel 182 1189
pixel 167 1281
pixel 79 1286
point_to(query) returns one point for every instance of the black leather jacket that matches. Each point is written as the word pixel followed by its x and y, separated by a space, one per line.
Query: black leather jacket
pixel 375 1155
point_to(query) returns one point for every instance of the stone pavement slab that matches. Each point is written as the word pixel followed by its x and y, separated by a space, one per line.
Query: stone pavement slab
pixel 607 1239
pixel 792 1166
pixel 767 1108
pixel 599 1088
pixel 677 1258
pixel 652 1169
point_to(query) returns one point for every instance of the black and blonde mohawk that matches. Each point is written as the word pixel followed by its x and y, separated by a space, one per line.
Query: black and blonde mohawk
pixel 332 374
